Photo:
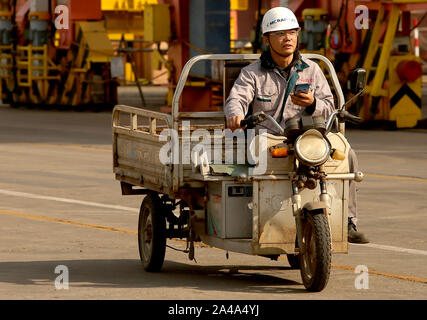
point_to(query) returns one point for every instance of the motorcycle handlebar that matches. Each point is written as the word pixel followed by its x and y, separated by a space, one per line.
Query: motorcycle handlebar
pixel 342 115
pixel 347 116
pixel 248 123
pixel 258 117
pixel 243 123
pixel 251 121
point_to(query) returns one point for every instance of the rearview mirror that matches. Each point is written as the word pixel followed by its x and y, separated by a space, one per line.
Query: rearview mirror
pixel 357 81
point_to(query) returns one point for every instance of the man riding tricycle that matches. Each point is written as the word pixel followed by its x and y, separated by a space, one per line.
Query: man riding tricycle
pixel 271 180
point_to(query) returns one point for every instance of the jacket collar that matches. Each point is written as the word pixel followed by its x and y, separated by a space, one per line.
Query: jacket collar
pixel 268 63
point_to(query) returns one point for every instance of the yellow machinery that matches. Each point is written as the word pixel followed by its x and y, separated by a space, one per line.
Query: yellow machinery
pixel 235 6
pixel 35 67
pixel 55 53
pixel 314 32
pixel 405 83
pixel 126 21
pixel 393 73
pixel 44 64
pixel 95 48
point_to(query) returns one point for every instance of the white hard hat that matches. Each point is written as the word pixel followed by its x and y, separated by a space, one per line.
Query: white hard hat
pixel 279 18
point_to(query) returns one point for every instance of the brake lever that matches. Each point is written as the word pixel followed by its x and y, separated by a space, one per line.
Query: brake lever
pixel 344 115
pixel 253 120
pixel 249 123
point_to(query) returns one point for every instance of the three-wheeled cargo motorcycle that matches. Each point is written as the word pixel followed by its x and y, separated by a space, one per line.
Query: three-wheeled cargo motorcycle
pixel 296 206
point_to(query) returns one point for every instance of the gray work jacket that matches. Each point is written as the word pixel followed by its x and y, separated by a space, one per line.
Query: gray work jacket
pixel 267 90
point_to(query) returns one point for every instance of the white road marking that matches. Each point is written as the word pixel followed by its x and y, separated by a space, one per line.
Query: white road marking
pixel 101 205
pixel 389 151
pixel 392 248
pixel 85 203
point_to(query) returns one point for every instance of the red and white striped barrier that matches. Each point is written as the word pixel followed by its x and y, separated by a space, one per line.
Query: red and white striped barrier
pixel 416 38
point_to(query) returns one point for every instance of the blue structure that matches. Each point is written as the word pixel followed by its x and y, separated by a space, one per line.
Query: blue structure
pixel 209 30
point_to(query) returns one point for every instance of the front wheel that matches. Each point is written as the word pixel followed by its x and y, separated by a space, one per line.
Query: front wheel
pixel 315 260
pixel 152 233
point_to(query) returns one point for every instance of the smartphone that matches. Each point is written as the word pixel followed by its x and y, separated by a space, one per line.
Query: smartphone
pixel 303 87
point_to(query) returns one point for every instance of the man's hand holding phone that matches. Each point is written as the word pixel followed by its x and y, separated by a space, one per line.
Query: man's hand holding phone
pixel 303 96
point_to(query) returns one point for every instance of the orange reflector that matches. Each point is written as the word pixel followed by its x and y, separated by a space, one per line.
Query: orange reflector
pixel 338 155
pixel 279 152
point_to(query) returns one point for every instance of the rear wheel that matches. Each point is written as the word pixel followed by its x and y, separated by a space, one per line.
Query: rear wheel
pixel 315 260
pixel 152 233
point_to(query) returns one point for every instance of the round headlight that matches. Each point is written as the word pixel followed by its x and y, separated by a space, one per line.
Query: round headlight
pixel 312 149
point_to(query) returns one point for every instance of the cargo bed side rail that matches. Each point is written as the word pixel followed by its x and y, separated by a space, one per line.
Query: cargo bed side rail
pixel 134 113
pixel 136 132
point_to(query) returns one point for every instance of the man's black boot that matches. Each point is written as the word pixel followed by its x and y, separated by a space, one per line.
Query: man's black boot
pixel 355 236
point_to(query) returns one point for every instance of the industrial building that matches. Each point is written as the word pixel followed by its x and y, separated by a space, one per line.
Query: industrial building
pixel 82 54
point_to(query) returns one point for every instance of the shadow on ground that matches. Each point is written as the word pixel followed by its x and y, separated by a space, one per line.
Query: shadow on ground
pixel 130 274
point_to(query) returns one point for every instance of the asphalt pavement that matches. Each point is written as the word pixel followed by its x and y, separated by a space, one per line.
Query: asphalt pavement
pixel 61 209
